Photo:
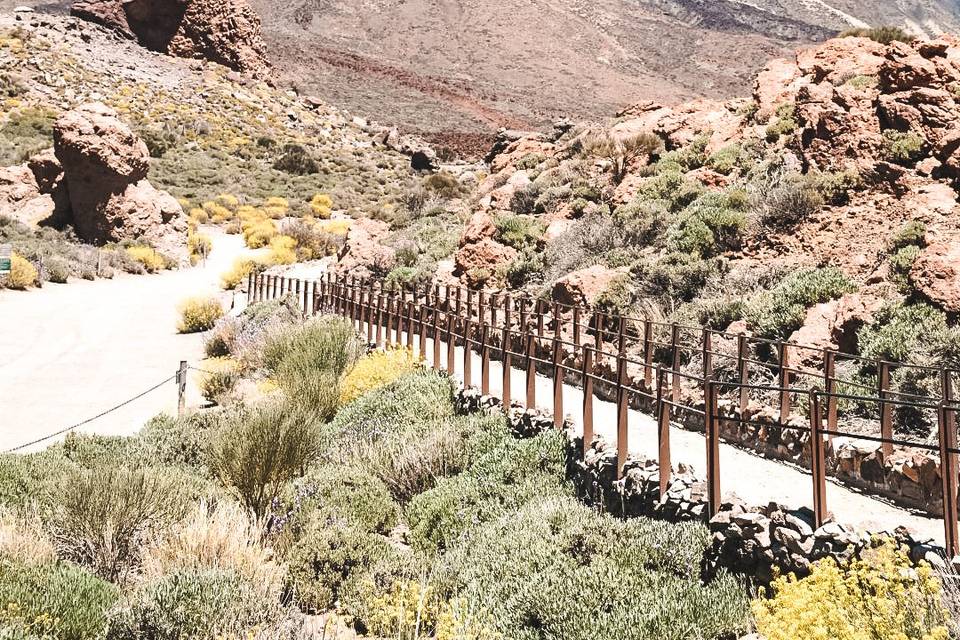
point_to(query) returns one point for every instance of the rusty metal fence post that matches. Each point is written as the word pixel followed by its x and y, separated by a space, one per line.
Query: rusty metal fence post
pixel 505 350
pixel 623 427
pixel 817 462
pixel 886 409
pixel 947 427
pixel 663 433
pixel 587 398
pixel 712 415
pixel 531 371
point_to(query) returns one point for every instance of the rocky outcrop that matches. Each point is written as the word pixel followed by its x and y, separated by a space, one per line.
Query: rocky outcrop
pixel 363 255
pixel 722 122
pixel 832 325
pixel 21 197
pixel 936 274
pixel 422 156
pixel 479 255
pixel 584 287
pixel 227 32
pixel 105 167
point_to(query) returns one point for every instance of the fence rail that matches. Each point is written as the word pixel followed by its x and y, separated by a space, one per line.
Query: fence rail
pixel 671 370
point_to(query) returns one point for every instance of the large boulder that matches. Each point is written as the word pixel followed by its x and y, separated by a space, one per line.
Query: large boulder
pixel 833 326
pixel 478 261
pixel 936 274
pixel 363 255
pixel 21 198
pixel 105 167
pixel 224 31
pixel 582 288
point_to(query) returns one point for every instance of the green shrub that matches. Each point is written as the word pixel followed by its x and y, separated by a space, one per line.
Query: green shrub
pixel 296 160
pixel 901 262
pixel 883 35
pixel 57 270
pixel 509 474
pixel 785 123
pixel 705 229
pixel 52 600
pixel 524 200
pixel 788 201
pixel 676 276
pixel 778 313
pixel 555 569
pixel 897 331
pixel 725 160
pixel 444 184
pixel 835 186
pixel 903 147
pixel 863 82
pixel 204 604
pixel 622 152
pixel 349 492
pixel 518 231
pixel 179 442
pixel 258 450
pixel 102 516
pixel 912 234
pixel 527 268
pixel 330 554
pixel 309 360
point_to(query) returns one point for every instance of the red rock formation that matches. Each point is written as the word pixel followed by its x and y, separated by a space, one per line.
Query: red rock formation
pixel 224 31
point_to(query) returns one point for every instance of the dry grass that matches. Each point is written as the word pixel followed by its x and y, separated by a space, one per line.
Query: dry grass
pixel 24 538
pixel 220 536
pixel 199 314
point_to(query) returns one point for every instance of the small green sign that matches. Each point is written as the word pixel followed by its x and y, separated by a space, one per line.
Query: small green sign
pixel 6 251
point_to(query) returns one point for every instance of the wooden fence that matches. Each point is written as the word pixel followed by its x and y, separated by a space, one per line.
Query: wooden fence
pixel 670 370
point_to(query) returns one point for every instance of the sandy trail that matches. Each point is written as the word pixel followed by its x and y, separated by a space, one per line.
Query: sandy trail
pixel 69 352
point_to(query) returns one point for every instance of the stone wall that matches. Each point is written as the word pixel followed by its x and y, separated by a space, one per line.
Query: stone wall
pixel 754 541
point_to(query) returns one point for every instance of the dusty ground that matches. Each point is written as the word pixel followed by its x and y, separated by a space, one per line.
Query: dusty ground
pixel 69 352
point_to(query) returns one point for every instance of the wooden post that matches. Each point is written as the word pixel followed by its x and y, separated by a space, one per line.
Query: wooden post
pixel 648 353
pixel 886 410
pixel 743 370
pixel 379 336
pixel 531 371
pixel 587 398
pixel 623 401
pixel 784 383
pixel 576 327
pixel 663 434
pixel 946 422
pixel 182 388
pixel 817 463
pixel 467 347
pixel 540 322
pixel 558 382
pixel 598 335
pixel 505 350
pixel 451 341
pixel 830 386
pixel 712 410
pixel 485 359
pixel 675 361
pixel 422 350
pixel 411 318
pixel 436 327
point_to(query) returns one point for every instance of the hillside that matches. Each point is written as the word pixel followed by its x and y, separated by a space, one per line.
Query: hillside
pixel 467 67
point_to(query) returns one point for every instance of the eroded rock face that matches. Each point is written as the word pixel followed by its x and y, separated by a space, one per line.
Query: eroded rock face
pixel 224 31
pixel 105 167
pixel 936 274
pixel 21 198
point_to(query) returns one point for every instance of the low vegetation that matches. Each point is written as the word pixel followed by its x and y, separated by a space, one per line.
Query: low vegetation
pixel 199 314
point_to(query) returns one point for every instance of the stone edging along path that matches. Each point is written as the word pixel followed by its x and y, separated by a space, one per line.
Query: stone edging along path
pixel 753 541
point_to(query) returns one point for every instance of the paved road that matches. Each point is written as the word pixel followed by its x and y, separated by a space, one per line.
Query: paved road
pixel 71 351
pixel 754 479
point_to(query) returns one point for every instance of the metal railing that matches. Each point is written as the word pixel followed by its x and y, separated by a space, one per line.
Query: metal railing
pixel 641 363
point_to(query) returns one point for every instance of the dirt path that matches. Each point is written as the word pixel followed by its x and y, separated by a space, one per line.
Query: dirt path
pixel 754 479
pixel 69 352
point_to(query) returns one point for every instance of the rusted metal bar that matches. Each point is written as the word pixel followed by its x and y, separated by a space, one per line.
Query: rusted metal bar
pixel 468 347
pixel 587 374
pixel 531 371
pixel 830 386
pixel 886 409
pixel 283 283
pixel 505 351
pixel 540 320
pixel 712 416
pixel 523 316
pixel 391 298
pixel 675 360
pixel 436 327
pixel 422 326
pixel 598 332
pixel 784 383
pixel 743 371
pixel 621 335
pixel 451 344
pixel 485 359
pixel 817 462
pixel 576 327
pixel 379 337
pixel 557 384
pixel 707 354
pixel 648 353
pixel 623 401
pixel 947 427
pixel 663 435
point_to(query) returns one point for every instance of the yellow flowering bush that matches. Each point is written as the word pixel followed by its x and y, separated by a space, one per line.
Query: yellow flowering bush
pixel 242 267
pixel 199 245
pixel 199 216
pixel 22 273
pixel 257 234
pixel 880 597
pixel 150 259
pixel 410 611
pixel 276 207
pixel 217 212
pixel 228 200
pixel 219 377
pixel 283 250
pixel 199 314
pixel 322 206
pixel 335 227
pixel 376 370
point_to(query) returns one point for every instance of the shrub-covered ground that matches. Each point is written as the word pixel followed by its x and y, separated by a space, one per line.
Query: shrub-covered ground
pixel 347 490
